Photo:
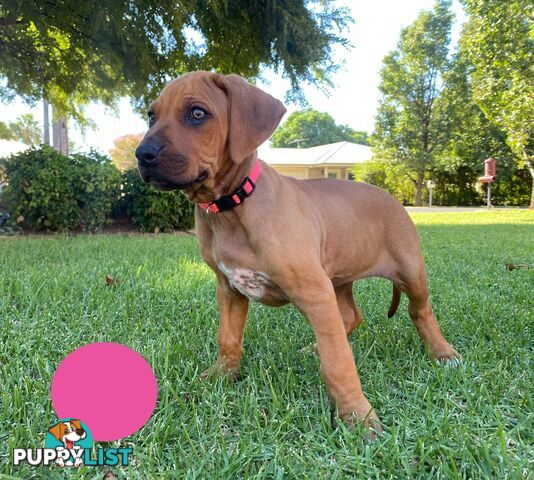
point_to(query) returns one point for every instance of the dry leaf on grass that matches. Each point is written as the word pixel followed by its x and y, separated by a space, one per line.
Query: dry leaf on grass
pixel 511 266
pixel 111 281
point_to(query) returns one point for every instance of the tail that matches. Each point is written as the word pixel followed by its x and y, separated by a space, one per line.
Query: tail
pixel 395 300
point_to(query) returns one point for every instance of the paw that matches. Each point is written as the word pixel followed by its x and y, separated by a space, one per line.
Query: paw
pixel 446 355
pixel 370 424
pixel 220 371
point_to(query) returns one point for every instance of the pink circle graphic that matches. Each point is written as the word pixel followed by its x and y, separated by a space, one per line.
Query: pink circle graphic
pixel 108 386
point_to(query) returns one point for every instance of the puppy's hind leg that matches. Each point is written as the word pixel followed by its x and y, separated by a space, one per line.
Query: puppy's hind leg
pixel 412 280
pixel 352 315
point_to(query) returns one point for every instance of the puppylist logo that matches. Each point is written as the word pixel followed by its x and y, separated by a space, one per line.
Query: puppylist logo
pixel 115 406
pixel 69 443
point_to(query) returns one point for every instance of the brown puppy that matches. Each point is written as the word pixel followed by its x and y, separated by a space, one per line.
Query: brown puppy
pixel 299 241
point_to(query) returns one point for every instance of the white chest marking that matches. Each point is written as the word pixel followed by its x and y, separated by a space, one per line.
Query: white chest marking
pixel 247 282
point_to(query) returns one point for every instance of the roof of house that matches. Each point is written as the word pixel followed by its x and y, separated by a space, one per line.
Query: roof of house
pixel 340 153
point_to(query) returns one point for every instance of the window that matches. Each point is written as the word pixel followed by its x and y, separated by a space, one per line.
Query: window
pixel 332 174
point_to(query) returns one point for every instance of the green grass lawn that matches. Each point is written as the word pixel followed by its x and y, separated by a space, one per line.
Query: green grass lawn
pixel 472 421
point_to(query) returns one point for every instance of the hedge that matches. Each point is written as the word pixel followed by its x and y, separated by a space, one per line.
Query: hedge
pixel 50 191
pixel 152 209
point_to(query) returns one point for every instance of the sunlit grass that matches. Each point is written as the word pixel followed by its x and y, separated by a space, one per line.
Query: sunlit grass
pixel 474 421
pixel 481 217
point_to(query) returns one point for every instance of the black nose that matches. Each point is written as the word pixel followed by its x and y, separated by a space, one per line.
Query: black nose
pixel 147 154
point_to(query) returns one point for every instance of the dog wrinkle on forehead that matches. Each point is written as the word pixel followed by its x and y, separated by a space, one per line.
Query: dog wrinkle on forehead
pixel 189 86
pixel 174 103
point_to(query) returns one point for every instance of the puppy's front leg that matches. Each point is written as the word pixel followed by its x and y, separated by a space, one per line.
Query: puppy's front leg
pixel 317 301
pixel 233 309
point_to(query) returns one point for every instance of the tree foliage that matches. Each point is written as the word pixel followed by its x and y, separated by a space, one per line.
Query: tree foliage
pixel 457 164
pixel 472 137
pixel 498 40
pixel 5 131
pixel 73 52
pixel 387 175
pixel 123 153
pixel 24 129
pixel 309 128
pixel 410 125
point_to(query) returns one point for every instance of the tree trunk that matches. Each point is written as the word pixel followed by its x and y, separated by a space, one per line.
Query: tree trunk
pixel 60 135
pixel 419 189
pixel 46 122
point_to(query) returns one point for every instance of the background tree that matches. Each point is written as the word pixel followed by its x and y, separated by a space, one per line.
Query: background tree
pixel 472 138
pixel 24 129
pixel 123 152
pixel 358 136
pixel 498 42
pixel 72 52
pixel 309 128
pixel 410 128
pixel 5 131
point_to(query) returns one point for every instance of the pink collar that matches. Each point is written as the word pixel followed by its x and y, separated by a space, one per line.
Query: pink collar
pixel 227 202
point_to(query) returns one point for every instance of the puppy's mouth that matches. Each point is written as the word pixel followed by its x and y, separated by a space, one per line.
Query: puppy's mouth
pixel 165 184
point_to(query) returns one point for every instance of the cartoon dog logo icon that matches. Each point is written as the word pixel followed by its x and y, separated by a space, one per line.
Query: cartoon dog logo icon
pixel 68 432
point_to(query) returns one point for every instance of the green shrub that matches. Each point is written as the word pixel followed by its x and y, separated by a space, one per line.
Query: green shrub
pixel 99 188
pixel 55 192
pixel 514 189
pixel 386 175
pixel 456 187
pixel 152 209
pixel 40 189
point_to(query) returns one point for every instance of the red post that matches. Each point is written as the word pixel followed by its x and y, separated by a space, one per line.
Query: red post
pixel 490 168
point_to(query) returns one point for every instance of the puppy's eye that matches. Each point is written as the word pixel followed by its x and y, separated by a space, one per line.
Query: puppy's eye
pixel 197 113
pixel 151 119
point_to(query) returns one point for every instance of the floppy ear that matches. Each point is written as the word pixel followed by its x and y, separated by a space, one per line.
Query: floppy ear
pixel 253 115
pixel 57 430
pixel 76 423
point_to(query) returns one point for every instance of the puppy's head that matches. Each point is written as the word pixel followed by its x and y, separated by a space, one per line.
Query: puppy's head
pixel 200 125
pixel 71 430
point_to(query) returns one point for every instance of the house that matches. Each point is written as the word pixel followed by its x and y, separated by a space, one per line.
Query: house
pixel 334 160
